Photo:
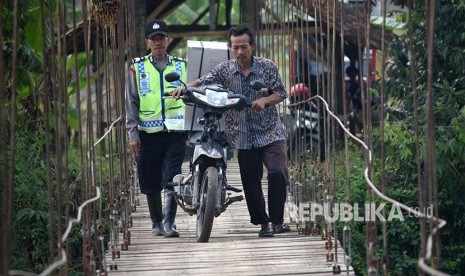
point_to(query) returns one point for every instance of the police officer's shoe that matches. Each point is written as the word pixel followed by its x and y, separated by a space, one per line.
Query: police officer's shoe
pixel 156 214
pixel 157 229
pixel 169 225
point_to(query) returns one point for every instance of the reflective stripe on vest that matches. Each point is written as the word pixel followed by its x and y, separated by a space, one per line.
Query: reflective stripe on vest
pixel 156 113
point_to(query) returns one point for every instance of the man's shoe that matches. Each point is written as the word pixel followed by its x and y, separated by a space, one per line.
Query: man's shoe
pixel 266 231
pixel 281 228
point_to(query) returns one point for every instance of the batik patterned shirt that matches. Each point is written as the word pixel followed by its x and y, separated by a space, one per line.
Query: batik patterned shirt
pixel 248 129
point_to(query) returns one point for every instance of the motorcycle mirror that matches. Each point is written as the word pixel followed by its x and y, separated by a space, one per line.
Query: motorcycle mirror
pixel 173 76
pixel 257 85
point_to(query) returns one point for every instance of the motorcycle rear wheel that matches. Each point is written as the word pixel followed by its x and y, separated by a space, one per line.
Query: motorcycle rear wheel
pixel 206 211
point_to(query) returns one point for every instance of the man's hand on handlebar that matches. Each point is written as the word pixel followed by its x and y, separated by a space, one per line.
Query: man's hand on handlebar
pixel 259 104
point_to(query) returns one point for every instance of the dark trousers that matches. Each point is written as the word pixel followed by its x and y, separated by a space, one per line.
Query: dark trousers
pixel 160 159
pixel 251 162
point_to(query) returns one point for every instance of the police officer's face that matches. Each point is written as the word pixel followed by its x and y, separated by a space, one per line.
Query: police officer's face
pixel 158 45
pixel 241 48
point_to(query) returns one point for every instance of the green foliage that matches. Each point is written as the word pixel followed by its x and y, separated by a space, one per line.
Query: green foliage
pixel 30 171
pixel 28 54
pixel 189 12
pixel 71 61
pixel 31 220
pixel 31 225
pixel 30 204
pixel 449 104
pixel 29 78
pixel 402 236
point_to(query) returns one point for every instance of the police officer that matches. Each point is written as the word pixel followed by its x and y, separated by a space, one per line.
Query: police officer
pixel 155 125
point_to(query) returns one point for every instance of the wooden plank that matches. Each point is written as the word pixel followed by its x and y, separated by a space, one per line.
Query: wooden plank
pixel 234 247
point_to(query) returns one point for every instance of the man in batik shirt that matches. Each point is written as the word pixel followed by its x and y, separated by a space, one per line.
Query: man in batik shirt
pixel 257 132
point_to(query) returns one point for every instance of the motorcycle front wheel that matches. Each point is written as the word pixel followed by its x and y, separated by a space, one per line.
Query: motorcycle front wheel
pixel 206 211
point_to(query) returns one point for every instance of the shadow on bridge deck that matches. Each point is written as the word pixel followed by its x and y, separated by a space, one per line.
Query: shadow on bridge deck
pixel 234 247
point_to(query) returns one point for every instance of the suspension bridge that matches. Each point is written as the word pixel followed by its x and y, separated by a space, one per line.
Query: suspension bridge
pixel 234 247
pixel 98 223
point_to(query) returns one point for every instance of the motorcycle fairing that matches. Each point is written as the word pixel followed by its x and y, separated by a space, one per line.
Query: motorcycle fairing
pixel 211 150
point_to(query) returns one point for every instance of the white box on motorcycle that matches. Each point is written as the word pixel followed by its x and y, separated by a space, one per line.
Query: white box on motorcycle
pixel 202 57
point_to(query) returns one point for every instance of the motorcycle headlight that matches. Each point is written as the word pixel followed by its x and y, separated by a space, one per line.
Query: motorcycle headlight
pixel 215 98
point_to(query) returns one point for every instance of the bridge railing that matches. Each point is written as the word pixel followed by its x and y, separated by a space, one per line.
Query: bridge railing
pixel 314 42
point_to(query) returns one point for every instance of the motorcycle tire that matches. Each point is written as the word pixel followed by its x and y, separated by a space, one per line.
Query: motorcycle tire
pixel 206 211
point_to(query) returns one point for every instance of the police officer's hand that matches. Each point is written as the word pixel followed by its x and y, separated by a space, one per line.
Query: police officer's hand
pixel 176 93
pixel 135 147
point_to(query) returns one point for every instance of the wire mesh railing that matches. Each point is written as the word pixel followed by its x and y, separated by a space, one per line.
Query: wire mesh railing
pixel 318 36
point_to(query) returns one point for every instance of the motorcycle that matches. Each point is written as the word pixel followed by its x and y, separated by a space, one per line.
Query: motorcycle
pixel 203 191
pixel 304 125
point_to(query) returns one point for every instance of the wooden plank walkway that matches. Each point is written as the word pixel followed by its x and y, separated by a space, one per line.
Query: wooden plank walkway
pixel 234 247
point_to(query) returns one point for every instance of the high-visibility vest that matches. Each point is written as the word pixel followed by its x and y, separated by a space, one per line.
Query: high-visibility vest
pixel 155 112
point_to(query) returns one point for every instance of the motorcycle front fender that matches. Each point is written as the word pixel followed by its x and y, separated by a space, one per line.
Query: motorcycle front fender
pixel 210 150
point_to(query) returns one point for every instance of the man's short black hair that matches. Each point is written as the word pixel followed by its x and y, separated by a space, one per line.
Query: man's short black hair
pixel 240 30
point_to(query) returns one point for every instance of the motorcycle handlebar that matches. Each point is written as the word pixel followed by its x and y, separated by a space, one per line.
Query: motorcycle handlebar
pixel 169 96
pixel 183 96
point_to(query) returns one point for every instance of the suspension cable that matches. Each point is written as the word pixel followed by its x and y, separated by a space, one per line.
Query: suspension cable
pixel 384 257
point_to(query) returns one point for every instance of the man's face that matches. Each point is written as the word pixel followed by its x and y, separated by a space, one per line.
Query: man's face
pixel 240 48
pixel 158 45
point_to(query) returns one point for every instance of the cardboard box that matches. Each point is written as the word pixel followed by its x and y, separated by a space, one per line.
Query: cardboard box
pixel 202 57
